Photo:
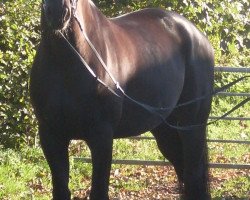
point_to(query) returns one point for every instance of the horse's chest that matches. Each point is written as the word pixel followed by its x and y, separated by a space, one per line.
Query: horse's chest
pixel 78 112
pixel 74 104
pixel 66 101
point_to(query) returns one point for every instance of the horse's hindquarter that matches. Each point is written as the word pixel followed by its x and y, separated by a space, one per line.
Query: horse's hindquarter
pixel 199 73
pixel 152 67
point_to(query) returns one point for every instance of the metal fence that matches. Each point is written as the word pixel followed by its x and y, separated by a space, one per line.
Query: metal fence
pixel 212 165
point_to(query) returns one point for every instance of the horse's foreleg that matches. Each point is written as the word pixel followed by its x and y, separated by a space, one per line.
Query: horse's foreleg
pixel 55 150
pixel 100 144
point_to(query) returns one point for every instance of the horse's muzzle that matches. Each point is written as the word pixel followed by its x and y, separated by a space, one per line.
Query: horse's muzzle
pixel 57 18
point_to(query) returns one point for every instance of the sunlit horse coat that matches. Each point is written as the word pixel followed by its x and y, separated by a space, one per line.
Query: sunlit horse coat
pixel 158 57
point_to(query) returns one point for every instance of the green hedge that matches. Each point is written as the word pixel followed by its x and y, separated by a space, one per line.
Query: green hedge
pixel 225 22
pixel 19 35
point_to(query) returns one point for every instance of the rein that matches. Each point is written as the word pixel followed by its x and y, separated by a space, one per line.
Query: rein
pixel 154 110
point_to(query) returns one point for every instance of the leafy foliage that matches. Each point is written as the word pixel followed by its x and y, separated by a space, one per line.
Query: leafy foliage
pixel 18 38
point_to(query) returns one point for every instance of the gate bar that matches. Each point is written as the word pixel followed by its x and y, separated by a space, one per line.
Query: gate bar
pixel 166 163
pixel 232 69
pixel 209 140
pixel 240 94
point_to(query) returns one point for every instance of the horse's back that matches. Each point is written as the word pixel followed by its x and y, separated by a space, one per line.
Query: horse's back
pixel 160 27
pixel 172 23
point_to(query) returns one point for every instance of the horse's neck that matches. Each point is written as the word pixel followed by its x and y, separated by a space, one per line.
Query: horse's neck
pixel 89 16
pixel 92 21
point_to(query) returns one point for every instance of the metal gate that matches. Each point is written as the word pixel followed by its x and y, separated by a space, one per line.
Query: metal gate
pixel 211 165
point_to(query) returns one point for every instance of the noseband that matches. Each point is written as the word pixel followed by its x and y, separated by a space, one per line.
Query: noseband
pixel 73 6
pixel 153 110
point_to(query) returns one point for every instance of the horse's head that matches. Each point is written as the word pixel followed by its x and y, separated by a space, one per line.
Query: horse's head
pixel 57 13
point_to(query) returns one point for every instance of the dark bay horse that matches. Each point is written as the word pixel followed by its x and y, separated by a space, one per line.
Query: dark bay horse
pixel 158 57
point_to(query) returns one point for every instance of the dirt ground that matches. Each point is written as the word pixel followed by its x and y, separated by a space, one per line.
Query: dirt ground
pixel 158 183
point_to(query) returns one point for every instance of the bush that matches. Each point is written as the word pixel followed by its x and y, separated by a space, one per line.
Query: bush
pixel 19 35
pixel 225 23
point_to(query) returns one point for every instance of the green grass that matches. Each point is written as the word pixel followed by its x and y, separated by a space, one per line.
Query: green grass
pixel 22 174
pixel 25 175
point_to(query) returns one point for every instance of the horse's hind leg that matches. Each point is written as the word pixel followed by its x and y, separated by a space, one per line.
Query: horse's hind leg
pixel 170 145
pixel 55 150
pixel 187 151
pixel 195 164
